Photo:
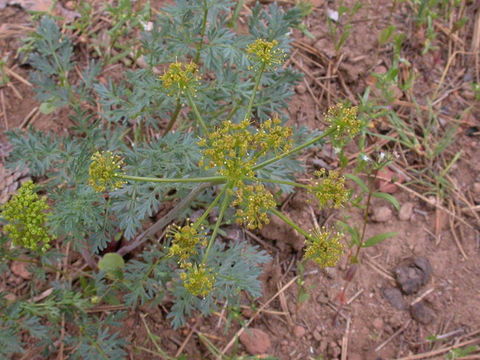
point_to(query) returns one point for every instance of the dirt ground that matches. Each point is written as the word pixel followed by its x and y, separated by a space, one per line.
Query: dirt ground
pixel 437 240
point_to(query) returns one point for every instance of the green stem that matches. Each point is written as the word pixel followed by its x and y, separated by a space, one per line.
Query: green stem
pixel 284 182
pixel 254 93
pixel 223 208
pixel 290 222
pixel 174 117
pixel 294 150
pixel 202 32
pixel 209 208
pixel 195 111
pixel 211 179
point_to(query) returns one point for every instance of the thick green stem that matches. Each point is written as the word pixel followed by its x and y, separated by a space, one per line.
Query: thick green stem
pixel 290 222
pixel 207 211
pixel 211 179
pixel 254 93
pixel 294 150
pixel 223 208
pixel 174 117
pixel 195 111
pixel 284 182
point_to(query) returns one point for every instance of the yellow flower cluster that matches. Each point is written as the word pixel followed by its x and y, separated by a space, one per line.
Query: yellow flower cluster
pixel 342 119
pixel 198 280
pixel 25 213
pixel 179 77
pixel 329 189
pixel 254 202
pixel 104 171
pixel 266 53
pixel 184 242
pixel 324 247
pixel 235 149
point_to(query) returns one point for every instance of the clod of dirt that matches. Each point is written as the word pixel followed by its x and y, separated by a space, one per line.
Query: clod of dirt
pixel 382 214
pixel 395 298
pixel 412 274
pixel 283 234
pixel 406 211
pixel 256 341
pixel 299 331
pixel 422 313
pixel 20 269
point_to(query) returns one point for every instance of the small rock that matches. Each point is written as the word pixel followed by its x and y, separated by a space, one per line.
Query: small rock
pixel 378 323
pixel 20 269
pixel 316 335
pixel 382 214
pixel 412 274
pixel 406 211
pixel 256 341
pixel 395 298
pixel 300 89
pixel 299 331
pixel 422 313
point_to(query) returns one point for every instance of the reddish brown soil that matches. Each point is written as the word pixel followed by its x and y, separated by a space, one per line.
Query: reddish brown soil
pixel 369 327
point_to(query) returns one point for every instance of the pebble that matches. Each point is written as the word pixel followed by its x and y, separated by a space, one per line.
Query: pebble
pixel 406 211
pixel 422 313
pixel 299 331
pixel 256 341
pixel 317 336
pixel 382 214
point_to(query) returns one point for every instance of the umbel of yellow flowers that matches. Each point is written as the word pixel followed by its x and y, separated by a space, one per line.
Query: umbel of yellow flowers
pixel 26 217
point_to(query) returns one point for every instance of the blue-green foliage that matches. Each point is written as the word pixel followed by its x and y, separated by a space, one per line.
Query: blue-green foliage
pixel 91 221
pixel 237 269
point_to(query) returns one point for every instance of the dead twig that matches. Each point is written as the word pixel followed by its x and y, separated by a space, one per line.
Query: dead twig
pixel 4 109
